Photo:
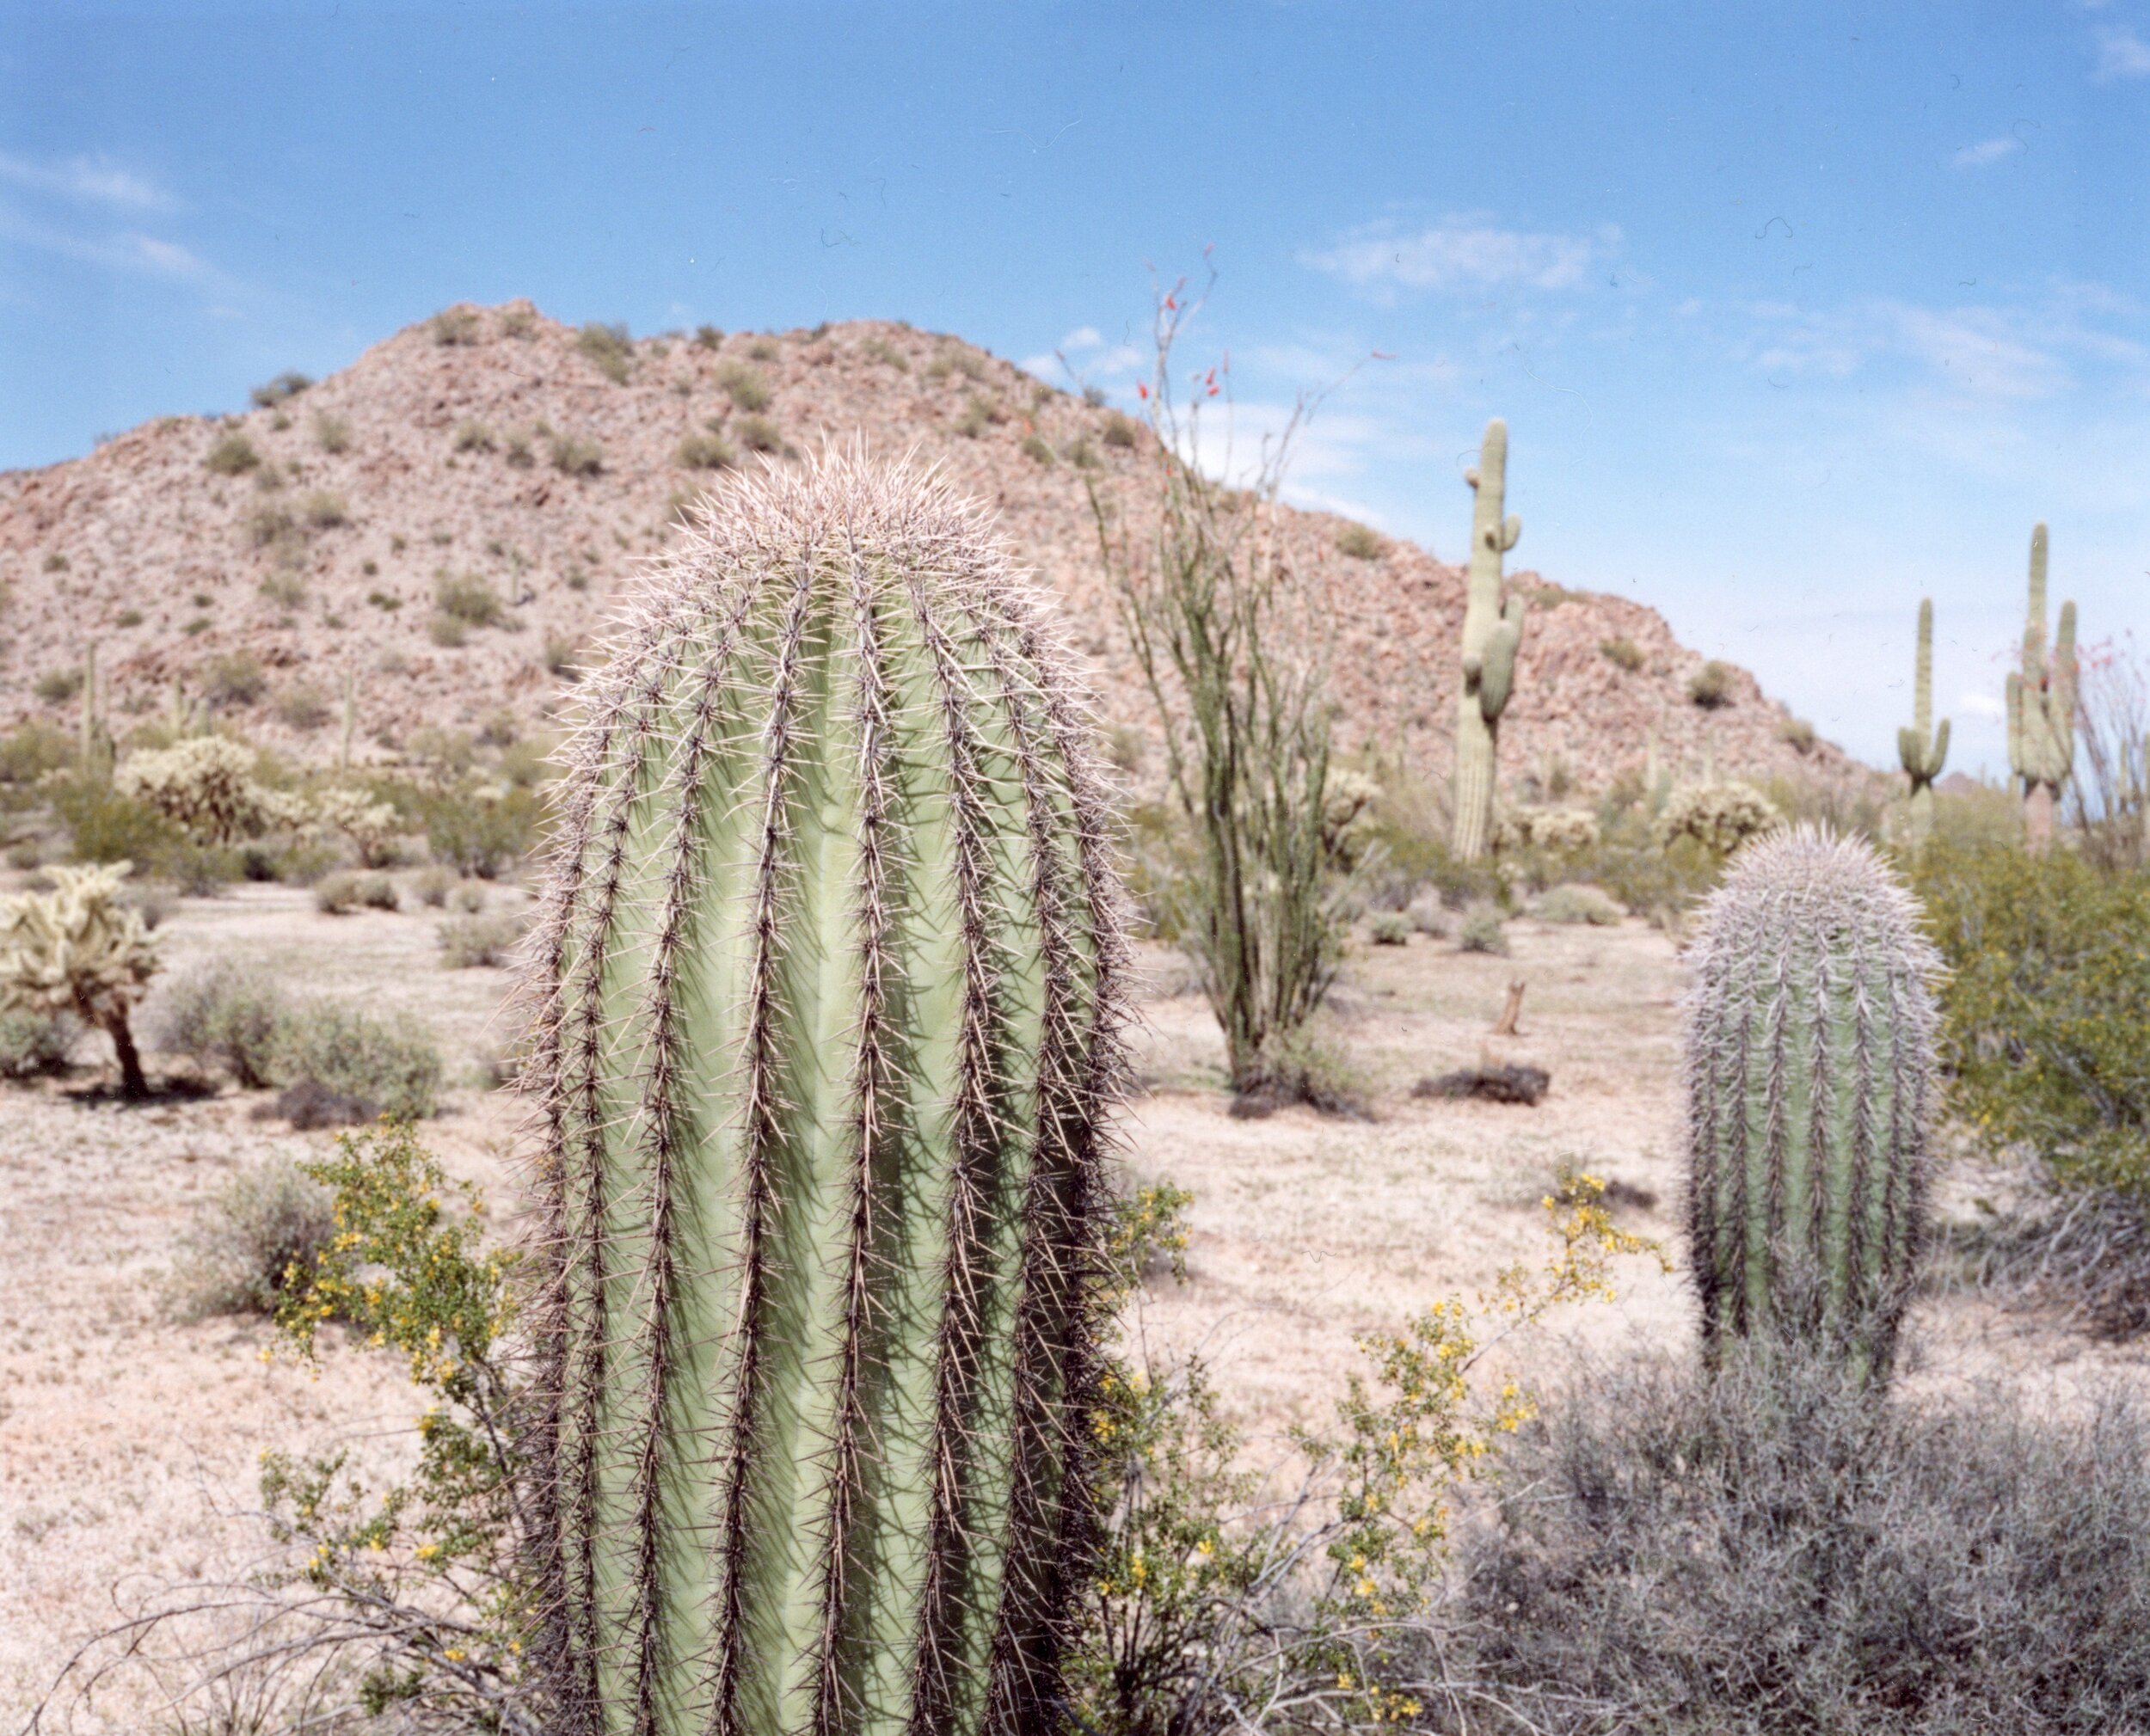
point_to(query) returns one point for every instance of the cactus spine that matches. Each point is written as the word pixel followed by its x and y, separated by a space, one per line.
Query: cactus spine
pixel 827 1015
pixel 1922 749
pixel 1492 632
pixel 2041 706
pixel 1810 1051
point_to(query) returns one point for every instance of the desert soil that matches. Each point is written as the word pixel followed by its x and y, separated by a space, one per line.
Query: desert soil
pixel 130 1438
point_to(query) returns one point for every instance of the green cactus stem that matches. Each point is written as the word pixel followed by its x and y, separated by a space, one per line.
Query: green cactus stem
pixel 1809 1057
pixel 86 728
pixel 1492 633
pixel 2041 706
pixel 826 1014
pixel 350 720
pixel 1922 748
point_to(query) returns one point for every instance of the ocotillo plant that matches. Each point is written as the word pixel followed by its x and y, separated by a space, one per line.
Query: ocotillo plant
pixel 1491 633
pixel 1922 748
pixel 1809 1043
pixel 827 993
pixel 2041 706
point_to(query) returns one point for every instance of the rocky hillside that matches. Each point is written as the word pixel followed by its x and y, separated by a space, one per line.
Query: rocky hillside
pixel 443 523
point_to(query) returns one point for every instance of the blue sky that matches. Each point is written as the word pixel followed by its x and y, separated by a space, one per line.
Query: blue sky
pixel 1794 312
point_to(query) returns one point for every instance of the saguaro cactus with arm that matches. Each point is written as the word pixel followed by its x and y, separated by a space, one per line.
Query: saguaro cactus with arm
pixel 826 996
pixel 1810 1034
pixel 2041 706
pixel 1922 748
pixel 1492 632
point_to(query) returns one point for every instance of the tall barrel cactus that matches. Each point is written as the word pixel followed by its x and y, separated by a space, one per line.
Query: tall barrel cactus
pixel 1810 1034
pixel 1922 749
pixel 2041 706
pixel 827 1015
pixel 1492 632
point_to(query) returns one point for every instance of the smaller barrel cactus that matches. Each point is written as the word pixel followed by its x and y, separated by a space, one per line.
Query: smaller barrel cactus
pixel 2042 705
pixel 1810 1035
pixel 78 949
pixel 1922 748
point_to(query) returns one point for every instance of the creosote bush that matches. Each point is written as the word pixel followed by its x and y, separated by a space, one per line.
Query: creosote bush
pixel 609 349
pixel 34 1042
pixel 1482 931
pixel 1361 543
pixel 469 942
pixel 233 455
pixel 1711 686
pixel 1576 903
pixel 1622 654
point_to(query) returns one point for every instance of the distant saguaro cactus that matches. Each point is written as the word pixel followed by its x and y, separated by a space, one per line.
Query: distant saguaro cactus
pixel 1492 632
pixel 1809 1043
pixel 2041 706
pixel 827 1015
pixel 1922 747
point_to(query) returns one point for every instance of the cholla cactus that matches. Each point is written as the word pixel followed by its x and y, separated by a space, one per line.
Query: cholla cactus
pixel 827 996
pixel 2041 706
pixel 1810 1034
pixel 1348 815
pixel 77 949
pixel 370 825
pixel 1563 831
pixel 1492 632
pixel 206 785
pixel 1720 817
pixel 1922 749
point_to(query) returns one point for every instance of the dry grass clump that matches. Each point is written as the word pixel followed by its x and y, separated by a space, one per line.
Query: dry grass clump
pixel 1576 903
pixel 1784 1550
pixel 232 456
pixel 744 386
pixel 1622 654
pixel 609 348
pixel 1482 932
pixel 340 893
pixel 1360 542
pixel 705 452
pixel 260 1233
pixel 1711 686
pixel 573 456
pixel 34 1043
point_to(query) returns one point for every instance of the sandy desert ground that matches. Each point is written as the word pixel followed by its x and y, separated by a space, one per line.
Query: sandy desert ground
pixel 129 1438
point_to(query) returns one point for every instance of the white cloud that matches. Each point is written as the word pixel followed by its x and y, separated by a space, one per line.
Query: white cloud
pixel 2120 54
pixel 88 181
pixel 1082 338
pixel 1976 702
pixel 134 252
pixel 1982 353
pixel 1463 253
pixel 1986 151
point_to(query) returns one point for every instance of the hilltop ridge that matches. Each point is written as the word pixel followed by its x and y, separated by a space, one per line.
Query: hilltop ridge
pixel 516 469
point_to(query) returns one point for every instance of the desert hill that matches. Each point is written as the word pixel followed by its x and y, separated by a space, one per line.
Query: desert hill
pixel 443 523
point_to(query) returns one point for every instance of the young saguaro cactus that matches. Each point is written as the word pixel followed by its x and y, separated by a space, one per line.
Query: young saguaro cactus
pixel 1492 631
pixel 2041 706
pixel 828 1006
pixel 1810 1055
pixel 1922 749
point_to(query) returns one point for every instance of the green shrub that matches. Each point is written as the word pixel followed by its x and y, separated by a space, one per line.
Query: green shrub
pixel 332 434
pixel 1622 654
pixel 233 679
pixel 574 456
pixel 481 834
pixel 304 708
pixel 469 942
pixel 105 825
pixel 609 349
pixel 433 884
pixel 1796 733
pixel 285 387
pixel 128 617
pixel 456 326
pixel 393 1064
pixel 1482 932
pixel 1711 686
pixel 518 451
pixel 2046 1006
pixel 1578 903
pixel 31 750
pixel 467 896
pixel 33 1042
pixel 1121 431
pixel 232 456
pixel 58 686
pixel 709 337
pixel 757 434
pixel 473 436
pixel 744 386
pixel 1360 542
pixel 1035 449
pixel 466 598
pixel 262 1234
pixel 446 631
pixel 1388 928
pixel 284 590
pixel 881 350
pixel 706 451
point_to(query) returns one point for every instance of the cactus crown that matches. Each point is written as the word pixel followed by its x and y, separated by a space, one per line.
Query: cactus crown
pixel 1922 749
pixel 826 1020
pixel 77 949
pixel 2042 694
pixel 1492 635
pixel 1809 1039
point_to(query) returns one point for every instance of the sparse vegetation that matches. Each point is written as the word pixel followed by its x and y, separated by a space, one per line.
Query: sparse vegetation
pixel 1796 733
pixel 1121 431
pixel 1482 931
pixel 332 434
pixel 303 707
pixel 58 686
pixel 575 457
pixel 705 452
pixel 471 941
pixel 609 349
pixel 339 894
pixel 284 387
pixel 757 434
pixel 1622 654
pixel 233 455
pixel 391 1064
pixel 745 387
pixel 260 1236
pixel 1035 449
pixel 1711 686
pixel 1576 902
pixel 881 350
pixel 454 326
pixel 233 680
pixel 1360 542
pixel 35 1043
pixel 473 436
